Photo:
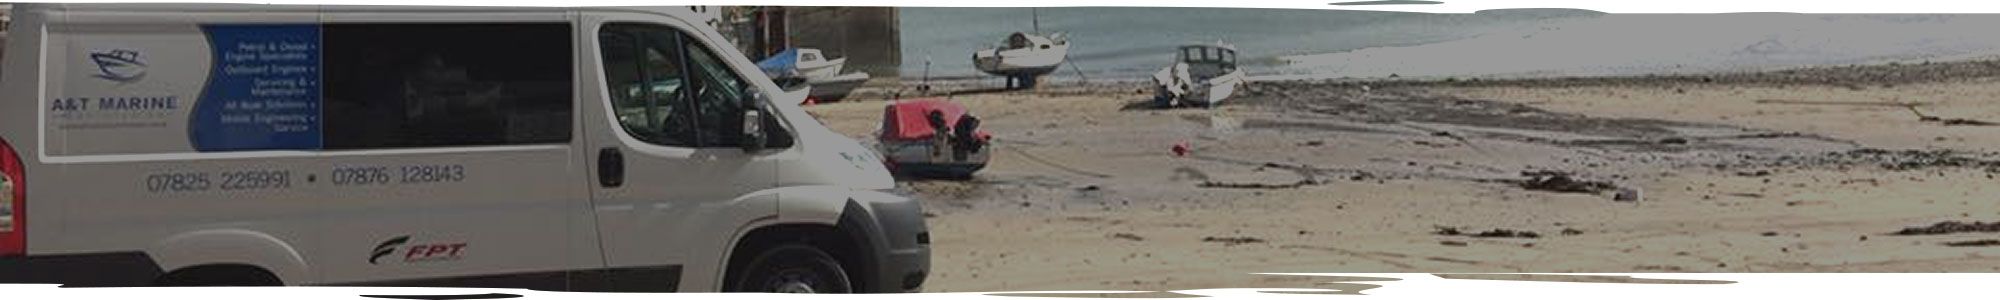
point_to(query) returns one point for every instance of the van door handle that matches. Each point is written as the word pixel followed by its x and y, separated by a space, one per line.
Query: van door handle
pixel 610 168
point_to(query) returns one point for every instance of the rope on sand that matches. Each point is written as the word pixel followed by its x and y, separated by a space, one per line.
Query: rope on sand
pixel 1073 67
pixel 1038 159
pixel 1447 134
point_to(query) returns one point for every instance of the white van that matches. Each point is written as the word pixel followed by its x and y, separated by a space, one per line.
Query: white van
pixel 569 149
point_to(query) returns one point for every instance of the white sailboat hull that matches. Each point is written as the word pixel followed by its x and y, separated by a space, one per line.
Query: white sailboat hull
pixel 1020 62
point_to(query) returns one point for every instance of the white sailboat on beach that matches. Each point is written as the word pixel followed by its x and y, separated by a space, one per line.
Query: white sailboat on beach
pixel 1024 56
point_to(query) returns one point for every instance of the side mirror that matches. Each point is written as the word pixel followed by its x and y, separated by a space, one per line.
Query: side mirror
pixel 753 122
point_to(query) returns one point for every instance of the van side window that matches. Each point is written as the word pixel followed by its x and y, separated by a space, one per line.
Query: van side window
pixel 645 76
pixel 693 98
pixel 400 85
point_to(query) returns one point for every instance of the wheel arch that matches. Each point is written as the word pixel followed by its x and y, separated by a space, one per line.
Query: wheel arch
pixel 846 244
pixel 809 212
pixel 228 248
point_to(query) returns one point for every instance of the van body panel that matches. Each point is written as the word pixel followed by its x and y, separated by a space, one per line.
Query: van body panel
pixel 508 229
pixel 813 204
pixel 333 17
pixel 321 171
pixel 18 85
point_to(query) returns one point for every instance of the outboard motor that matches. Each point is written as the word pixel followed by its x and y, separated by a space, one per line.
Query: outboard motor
pixel 940 133
pixel 966 138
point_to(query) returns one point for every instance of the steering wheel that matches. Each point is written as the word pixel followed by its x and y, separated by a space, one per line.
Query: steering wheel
pixel 670 112
pixel 708 98
pixel 666 114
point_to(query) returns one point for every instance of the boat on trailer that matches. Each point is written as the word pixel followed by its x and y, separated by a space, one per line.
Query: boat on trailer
pixel 1023 58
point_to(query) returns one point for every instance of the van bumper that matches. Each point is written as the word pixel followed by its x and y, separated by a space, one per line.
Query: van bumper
pixel 905 270
pixel 119 269
pixel 899 257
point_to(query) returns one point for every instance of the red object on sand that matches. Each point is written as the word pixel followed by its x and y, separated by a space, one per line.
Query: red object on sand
pixel 907 120
pixel 810 100
pixel 1181 149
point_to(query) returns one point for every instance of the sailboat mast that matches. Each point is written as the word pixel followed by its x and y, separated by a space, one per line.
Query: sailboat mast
pixel 1036 12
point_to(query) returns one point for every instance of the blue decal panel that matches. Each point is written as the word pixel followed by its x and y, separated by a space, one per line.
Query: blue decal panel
pixel 263 90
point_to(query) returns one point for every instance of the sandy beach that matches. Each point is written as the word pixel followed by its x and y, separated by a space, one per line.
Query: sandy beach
pixel 1810 170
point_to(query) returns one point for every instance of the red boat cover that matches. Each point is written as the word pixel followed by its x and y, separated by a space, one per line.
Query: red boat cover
pixel 905 120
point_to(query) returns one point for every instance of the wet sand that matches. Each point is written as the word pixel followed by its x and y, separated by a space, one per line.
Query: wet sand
pixel 1801 171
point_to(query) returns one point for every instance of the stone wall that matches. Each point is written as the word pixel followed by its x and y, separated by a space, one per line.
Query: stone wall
pixel 867 36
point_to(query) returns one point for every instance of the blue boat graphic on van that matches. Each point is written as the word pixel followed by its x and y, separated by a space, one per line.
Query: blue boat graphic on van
pixel 120 65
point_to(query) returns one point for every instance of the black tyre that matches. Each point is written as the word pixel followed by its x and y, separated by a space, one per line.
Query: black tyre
pixel 227 275
pixel 792 268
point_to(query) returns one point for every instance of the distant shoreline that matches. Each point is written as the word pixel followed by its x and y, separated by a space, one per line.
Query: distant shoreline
pixel 1850 76
pixel 1857 77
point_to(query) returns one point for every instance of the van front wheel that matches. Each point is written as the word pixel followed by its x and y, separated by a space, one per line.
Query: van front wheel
pixel 793 268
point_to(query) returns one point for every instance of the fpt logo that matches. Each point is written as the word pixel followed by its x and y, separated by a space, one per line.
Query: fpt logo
pixel 417 252
pixel 118 65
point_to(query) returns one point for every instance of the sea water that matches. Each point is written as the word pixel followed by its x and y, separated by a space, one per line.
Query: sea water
pixel 1130 43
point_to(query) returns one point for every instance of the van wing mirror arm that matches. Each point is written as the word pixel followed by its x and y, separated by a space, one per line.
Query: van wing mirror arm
pixel 753 121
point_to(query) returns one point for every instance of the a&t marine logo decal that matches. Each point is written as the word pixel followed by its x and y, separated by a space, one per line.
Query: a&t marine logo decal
pixel 422 252
pixel 120 65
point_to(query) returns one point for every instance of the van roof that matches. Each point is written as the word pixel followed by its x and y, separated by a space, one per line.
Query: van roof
pixel 683 12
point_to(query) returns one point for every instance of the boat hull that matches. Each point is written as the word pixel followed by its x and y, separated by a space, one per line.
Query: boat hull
pixel 1218 89
pixel 1207 93
pixel 822 70
pixel 837 87
pixel 1020 62
pixel 925 159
